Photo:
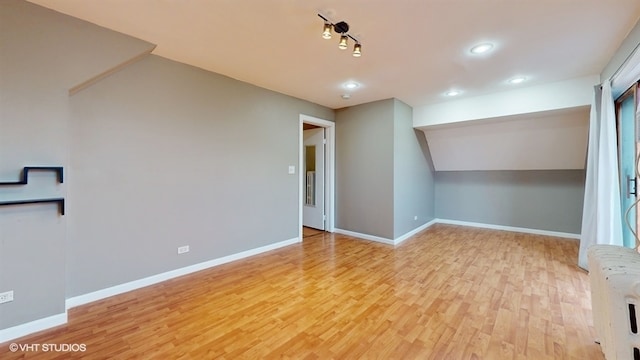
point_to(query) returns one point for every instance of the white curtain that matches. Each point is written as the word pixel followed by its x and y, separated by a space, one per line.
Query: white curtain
pixel 601 214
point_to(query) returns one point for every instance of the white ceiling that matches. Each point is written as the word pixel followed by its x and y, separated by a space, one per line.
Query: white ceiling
pixel 413 50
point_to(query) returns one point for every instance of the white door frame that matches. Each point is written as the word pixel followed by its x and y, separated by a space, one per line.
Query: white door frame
pixel 329 163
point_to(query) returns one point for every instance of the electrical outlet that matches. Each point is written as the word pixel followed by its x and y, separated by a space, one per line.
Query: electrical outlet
pixel 6 297
pixel 183 249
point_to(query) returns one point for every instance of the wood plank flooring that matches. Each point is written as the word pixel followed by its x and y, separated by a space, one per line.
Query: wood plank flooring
pixel 308 232
pixel 448 293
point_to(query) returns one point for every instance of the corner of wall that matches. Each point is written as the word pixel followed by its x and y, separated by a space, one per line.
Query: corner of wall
pixel 115 68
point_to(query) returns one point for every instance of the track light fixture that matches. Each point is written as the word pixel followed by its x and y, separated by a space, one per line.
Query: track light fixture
pixel 341 28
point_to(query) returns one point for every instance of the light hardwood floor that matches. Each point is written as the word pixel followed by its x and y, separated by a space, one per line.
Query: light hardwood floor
pixel 448 293
pixel 308 232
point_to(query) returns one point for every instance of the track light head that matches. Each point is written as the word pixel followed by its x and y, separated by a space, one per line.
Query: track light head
pixel 343 42
pixel 326 32
pixel 357 50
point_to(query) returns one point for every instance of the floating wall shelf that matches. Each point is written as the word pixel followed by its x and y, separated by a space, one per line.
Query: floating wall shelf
pixel 59 201
pixel 25 174
pixel 25 180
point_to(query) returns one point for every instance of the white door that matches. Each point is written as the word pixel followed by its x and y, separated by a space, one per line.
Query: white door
pixel 313 175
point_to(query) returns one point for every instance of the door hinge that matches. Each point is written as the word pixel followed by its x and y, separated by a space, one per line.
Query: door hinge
pixel 632 186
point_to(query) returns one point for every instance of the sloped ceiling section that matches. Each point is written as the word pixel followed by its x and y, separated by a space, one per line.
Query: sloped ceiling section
pixel 537 128
pixel 549 140
pixel 89 53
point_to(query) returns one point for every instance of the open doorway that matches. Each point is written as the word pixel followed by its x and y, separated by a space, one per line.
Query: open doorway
pixel 313 172
pixel 316 175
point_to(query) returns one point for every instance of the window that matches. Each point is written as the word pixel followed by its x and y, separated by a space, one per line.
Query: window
pixel 628 152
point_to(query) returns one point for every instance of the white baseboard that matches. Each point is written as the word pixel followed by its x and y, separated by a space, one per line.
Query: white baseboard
pixel 364 236
pixel 404 237
pixel 154 279
pixel 509 228
pixel 32 327
pixel 379 239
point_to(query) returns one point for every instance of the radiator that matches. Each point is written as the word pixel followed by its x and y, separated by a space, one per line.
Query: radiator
pixel 614 274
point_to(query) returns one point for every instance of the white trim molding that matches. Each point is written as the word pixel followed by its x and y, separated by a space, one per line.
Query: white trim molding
pixel 509 228
pixel 379 239
pixel 413 232
pixel 154 279
pixel 32 327
pixel 364 236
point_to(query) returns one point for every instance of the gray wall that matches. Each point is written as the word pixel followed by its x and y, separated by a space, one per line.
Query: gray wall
pixel 364 168
pixel 165 155
pixel 42 55
pixel 156 156
pixel 413 174
pixel 545 200
pixel 384 174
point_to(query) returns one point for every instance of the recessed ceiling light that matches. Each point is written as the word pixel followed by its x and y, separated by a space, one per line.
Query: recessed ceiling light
pixel 351 85
pixel 481 48
pixel 452 93
pixel 517 80
pixel 345 96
